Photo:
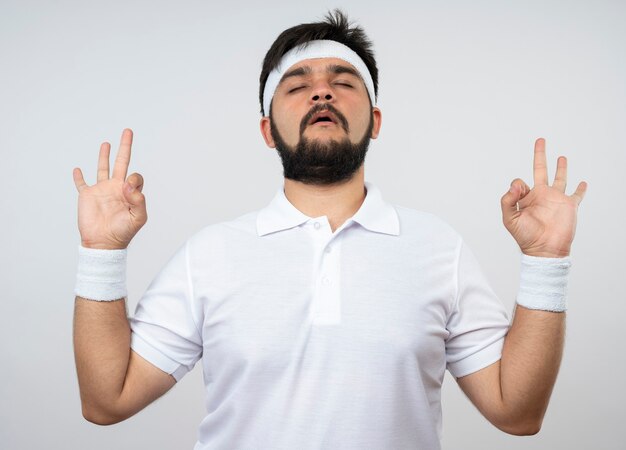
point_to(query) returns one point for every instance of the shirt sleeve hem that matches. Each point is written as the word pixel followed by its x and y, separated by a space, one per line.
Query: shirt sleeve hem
pixel 477 361
pixel 157 358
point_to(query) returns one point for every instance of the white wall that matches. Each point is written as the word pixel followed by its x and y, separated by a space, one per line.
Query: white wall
pixel 465 89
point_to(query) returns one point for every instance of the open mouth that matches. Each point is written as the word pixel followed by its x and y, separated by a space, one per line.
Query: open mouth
pixel 323 117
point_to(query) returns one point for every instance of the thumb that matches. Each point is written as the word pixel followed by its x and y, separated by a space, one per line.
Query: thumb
pixel 132 190
pixel 518 190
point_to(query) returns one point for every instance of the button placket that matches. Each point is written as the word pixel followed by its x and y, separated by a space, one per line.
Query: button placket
pixel 327 299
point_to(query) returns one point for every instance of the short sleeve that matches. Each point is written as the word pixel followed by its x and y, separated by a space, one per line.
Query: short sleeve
pixel 164 327
pixel 478 321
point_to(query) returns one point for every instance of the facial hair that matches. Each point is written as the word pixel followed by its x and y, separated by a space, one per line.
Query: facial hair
pixel 321 163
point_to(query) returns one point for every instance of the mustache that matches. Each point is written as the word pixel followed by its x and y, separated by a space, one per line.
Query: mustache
pixel 323 107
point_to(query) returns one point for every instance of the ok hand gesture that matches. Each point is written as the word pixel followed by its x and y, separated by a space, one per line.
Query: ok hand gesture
pixel 542 219
pixel 113 210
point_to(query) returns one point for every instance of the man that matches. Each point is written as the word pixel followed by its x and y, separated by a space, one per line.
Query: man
pixel 326 319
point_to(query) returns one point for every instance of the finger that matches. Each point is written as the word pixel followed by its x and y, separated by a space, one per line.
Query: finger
pixel 103 161
pixel 524 197
pixel 560 179
pixel 132 190
pixel 79 181
pixel 135 199
pixel 135 181
pixel 524 188
pixel 122 160
pixel 517 191
pixel 579 194
pixel 133 195
pixel 540 166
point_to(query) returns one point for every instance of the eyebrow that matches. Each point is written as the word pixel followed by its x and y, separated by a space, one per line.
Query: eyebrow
pixel 339 69
pixel 331 68
pixel 300 71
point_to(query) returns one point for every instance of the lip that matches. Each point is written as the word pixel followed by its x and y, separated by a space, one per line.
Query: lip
pixel 324 113
pixel 323 124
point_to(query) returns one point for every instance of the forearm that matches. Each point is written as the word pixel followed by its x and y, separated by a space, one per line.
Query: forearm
pixel 534 345
pixel 102 351
pixel 513 393
pixel 530 363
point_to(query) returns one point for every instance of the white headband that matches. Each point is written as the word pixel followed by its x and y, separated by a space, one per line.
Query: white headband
pixel 315 49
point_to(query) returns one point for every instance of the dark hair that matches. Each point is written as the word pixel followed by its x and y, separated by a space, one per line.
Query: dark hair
pixel 336 28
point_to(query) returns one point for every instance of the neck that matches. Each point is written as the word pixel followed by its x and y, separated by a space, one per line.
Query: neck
pixel 337 202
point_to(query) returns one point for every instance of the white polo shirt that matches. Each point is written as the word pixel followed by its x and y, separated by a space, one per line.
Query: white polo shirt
pixel 311 339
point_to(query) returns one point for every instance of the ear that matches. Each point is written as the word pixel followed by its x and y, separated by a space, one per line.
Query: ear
pixel 266 132
pixel 378 119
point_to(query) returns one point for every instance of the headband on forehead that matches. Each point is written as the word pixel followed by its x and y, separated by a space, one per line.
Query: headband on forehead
pixel 315 49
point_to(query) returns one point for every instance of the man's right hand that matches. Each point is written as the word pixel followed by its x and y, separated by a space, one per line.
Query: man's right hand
pixel 113 210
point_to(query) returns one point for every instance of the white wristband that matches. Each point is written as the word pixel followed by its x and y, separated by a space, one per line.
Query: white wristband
pixel 543 283
pixel 101 274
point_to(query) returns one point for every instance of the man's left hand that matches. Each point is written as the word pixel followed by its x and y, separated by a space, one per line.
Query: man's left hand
pixel 542 219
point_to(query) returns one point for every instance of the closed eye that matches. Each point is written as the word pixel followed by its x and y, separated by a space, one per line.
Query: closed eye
pixel 295 89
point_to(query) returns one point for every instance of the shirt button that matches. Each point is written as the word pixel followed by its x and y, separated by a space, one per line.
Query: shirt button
pixel 326 280
pixel 317 225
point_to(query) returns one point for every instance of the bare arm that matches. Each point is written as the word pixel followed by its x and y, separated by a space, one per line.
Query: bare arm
pixel 513 393
pixel 114 381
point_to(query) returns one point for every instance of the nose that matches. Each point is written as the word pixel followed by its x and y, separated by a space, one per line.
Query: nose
pixel 326 97
pixel 321 92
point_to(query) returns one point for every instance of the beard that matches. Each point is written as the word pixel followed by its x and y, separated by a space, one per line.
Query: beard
pixel 321 163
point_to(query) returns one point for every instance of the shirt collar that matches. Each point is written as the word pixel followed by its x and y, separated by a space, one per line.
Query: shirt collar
pixel 374 214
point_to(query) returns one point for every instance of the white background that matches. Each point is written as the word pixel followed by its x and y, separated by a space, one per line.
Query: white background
pixel 465 89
